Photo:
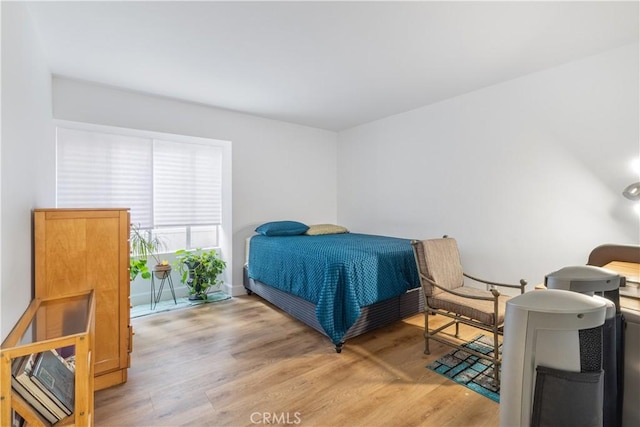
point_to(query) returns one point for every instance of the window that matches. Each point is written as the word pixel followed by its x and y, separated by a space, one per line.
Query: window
pixel 172 184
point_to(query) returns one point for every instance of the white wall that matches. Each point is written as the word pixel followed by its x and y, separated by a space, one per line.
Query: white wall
pixel 280 170
pixel 27 150
pixel 527 174
pixel 494 168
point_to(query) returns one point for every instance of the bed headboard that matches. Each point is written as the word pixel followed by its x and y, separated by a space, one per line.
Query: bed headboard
pixel 247 245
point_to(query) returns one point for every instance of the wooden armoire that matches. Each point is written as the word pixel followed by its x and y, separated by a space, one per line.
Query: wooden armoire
pixel 82 249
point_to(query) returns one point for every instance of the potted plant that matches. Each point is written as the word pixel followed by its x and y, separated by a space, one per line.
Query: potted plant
pixel 143 247
pixel 199 271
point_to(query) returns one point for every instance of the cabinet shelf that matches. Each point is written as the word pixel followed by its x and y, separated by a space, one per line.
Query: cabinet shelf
pixel 52 323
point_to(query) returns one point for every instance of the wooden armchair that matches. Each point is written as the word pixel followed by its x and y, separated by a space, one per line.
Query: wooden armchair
pixel 442 279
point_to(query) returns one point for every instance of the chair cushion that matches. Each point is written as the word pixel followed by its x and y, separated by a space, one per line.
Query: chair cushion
pixel 479 310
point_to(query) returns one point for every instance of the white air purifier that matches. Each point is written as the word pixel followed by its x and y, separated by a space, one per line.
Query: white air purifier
pixel 586 279
pixel 552 329
pixel 591 280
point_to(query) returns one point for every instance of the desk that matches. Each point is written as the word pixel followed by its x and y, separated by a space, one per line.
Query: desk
pixel 631 270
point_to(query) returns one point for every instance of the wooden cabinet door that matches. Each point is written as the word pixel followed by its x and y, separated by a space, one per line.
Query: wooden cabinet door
pixel 78 250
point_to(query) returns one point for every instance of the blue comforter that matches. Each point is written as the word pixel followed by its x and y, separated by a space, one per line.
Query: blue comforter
pixel 340 273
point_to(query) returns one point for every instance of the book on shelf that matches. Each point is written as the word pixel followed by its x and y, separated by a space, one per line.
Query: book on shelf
pixel 51 374
pixel 17 420
pixel 16 368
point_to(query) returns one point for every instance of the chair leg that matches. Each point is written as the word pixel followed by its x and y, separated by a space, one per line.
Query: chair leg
pixel 426 332
pixel 496 358
pixel 457 329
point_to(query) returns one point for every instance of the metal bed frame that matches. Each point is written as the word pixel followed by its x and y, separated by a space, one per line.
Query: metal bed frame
pixel 372 316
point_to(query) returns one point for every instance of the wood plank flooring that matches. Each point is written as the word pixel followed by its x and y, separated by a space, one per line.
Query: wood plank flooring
pixel 243 362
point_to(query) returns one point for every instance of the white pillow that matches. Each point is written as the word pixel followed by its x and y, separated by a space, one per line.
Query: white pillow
pixel 315 230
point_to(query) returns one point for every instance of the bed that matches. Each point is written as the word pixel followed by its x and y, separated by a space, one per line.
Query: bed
pixel 341 284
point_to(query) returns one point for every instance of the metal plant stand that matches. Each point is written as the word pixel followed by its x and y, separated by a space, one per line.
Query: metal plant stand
pixel 165 277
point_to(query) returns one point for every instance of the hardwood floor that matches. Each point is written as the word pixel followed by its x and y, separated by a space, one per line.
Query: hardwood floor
pixel 243 362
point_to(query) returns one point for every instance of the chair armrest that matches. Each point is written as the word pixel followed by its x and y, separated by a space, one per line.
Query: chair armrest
pixel 494 292
pixel 521 286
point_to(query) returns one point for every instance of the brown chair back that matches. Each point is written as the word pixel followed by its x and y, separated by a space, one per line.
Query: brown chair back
pixel 606 253
pixel 439 260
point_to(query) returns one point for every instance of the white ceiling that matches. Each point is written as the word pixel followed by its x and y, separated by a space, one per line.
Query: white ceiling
pixel 331 65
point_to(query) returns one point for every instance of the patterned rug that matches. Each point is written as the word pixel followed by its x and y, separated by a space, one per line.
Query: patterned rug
pixel 167 305
pixel 468 370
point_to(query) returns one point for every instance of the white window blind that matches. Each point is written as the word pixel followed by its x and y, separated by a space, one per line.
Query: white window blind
pixel 164 183
pixel 187 181
pixel 100 170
